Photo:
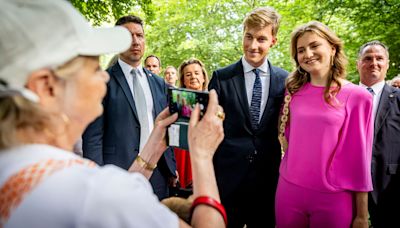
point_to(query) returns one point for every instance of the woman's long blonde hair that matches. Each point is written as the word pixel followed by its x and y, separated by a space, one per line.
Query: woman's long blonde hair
pixel 299 77
pixel 339 61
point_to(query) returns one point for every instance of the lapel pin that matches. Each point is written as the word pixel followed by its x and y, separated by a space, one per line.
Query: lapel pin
pixel 391 95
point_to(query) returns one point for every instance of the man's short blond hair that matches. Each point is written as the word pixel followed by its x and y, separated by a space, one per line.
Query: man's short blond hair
pixel 262 17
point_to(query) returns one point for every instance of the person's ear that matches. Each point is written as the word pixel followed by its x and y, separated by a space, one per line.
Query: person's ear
pixel 333 50
pixel 42 83
pixel 358 63
pixel 274 41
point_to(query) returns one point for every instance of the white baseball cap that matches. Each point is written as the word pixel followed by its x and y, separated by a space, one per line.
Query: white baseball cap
pixel 36 34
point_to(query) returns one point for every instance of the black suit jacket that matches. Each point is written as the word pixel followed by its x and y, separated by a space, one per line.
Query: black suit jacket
pixel 386 148
pixel 113 138
pixel 244 148
pixel 386 161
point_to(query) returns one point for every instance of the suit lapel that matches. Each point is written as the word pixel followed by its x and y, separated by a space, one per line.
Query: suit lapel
pixel 383 107
pixel 240 88
pixel 120 78
pixel 273 91
pixel 154 92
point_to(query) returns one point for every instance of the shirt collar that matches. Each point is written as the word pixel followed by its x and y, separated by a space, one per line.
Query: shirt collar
pixel 377 87
pixel 126 68
pixel 247 67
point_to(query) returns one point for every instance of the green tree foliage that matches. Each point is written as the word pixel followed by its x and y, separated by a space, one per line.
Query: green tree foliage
pixel 368 20
pixel 208 30
pixel 211 30
pixel 100 11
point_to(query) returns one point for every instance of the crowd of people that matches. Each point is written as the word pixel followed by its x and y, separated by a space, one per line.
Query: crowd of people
pixel 308 147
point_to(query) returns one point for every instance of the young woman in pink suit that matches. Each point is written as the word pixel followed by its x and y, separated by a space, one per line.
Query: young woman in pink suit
pixel 326 133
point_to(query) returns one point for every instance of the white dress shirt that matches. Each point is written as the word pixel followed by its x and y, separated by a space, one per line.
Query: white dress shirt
pixel 250 77
pixel 377 88
pixel 127 69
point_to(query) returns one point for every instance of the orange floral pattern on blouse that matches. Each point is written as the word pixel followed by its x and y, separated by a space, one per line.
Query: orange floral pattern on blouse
pixel 23 182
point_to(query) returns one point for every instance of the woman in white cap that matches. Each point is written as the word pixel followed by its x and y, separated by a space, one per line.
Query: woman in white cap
pixel 51 88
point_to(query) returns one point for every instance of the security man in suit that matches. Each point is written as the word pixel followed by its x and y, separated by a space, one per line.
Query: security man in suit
pixel 251 92
pixel 134 98
pixel 372 65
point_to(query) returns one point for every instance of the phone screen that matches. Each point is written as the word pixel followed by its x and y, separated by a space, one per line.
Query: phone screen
pixel 183 102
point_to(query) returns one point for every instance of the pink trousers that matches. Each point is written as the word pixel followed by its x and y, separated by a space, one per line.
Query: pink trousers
pixel 298 207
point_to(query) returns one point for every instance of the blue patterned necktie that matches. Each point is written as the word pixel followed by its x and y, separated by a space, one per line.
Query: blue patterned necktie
pixel 371 91
pixel 256 100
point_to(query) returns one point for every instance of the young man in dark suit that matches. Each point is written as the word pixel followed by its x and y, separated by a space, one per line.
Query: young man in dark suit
pixel 372 65
pixel 251 92
pixel 134 98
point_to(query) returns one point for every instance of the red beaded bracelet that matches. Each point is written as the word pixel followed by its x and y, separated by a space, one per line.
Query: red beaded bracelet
pixel 209 202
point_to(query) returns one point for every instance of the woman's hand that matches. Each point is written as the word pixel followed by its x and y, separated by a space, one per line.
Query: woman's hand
pixel 361 219
pixel 206 134
pixel 360 222
pixel 156 144
pixel 157 140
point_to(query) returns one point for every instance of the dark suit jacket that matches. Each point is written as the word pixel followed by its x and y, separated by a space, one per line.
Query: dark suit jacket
pixel 113 138
pixel 244 148
pixel 386 158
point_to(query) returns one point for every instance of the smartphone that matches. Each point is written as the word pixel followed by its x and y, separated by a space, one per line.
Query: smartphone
pixel 183 101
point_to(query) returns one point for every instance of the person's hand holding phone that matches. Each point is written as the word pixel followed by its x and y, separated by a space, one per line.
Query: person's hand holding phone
pixel 156 144
pixel 206 134
pixel 204 137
